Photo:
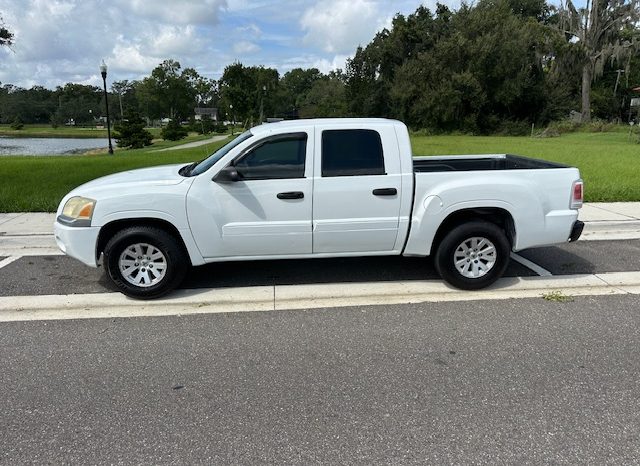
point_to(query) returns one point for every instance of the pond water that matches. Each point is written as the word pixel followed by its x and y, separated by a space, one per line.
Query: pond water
pixel 49 146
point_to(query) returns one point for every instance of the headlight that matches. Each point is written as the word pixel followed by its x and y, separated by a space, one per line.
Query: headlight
pixel 77 212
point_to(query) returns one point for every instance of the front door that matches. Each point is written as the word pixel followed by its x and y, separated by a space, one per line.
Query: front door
pixel 267 212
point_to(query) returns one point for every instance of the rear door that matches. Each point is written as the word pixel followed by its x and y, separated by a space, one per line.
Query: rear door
pixel 356 193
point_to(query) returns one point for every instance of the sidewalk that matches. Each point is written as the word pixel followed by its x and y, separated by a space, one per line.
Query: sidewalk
pixel 31 234
pixel 194 144
pixel 607 220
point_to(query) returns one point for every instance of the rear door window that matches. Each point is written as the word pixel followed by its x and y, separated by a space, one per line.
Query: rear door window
pixel 352 152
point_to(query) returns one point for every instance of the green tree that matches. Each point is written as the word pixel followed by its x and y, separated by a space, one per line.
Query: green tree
pixel 127 100
pixel 478 69
pixel 17 124
pixel 325 98
pixel 294 88
pixel 372 70
pixel 33 105
pixel 130 132
pixel 174 131
pixel 203 126
pixel 597 31
pixel 6 36
pixel 250 90
pixel 205 90
pixel 168 92
pixel 79 103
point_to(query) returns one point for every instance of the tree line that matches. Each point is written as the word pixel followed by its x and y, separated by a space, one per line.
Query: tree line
pixel 492 66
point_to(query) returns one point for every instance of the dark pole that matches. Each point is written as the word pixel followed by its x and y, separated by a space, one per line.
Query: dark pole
pixel 103 72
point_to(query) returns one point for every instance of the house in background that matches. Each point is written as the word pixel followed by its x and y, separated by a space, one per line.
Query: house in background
pixel 212 113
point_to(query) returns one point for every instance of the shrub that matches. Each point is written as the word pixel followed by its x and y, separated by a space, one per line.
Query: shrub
pixel 17 124
pixel 600 126
pixel 205 125
pixel 548 132
pixel 564 126
pixel 514 128
pixel 569 126
pixel 55 120
pixel 130 132
pixel 174 131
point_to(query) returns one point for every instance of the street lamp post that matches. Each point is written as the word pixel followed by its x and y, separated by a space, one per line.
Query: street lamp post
pixel 233 118
pixel 103 72
pixel 264 91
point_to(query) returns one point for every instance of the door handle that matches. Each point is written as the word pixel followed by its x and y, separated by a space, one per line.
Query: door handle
pixel 385 192
pixel 291 195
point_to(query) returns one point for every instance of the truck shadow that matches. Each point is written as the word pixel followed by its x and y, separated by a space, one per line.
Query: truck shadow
pixel 562 260
pixel 314 271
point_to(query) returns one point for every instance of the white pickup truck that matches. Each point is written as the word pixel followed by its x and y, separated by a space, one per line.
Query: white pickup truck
pixel 319 188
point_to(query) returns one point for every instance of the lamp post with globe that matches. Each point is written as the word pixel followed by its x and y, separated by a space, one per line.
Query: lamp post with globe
pixel 103 72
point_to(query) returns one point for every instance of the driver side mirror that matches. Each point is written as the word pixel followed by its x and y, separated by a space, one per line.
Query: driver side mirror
pixel 227 175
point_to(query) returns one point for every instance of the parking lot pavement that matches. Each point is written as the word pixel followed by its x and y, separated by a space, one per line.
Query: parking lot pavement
pixel 587 257
pixel 31 264
pixel 509 382
pixel 45 275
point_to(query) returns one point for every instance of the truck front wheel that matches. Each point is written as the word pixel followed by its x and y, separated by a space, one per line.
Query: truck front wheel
pixel 473 255
pixel 145 262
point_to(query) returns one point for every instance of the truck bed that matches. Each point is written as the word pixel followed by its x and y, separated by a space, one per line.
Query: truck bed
pixel 445 163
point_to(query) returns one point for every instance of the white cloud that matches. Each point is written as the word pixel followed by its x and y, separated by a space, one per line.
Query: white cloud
pixel 171 41
pixel 129 58
pixel 314 61
pixel 59 41
pixel 245 47
pixel 252 30
pixel 338 26
pixel 176 11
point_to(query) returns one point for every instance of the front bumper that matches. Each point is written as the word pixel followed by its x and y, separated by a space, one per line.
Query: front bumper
pixel 77 242
pixel 576 231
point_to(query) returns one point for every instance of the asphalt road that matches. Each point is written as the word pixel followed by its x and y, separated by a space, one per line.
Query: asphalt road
pixel 42 275
pixel 500 382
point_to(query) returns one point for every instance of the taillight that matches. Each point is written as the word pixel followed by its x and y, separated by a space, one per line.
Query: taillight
pixel 576 194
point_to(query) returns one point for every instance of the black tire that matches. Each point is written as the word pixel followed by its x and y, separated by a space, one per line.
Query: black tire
pixel 175 260
pixel 445 255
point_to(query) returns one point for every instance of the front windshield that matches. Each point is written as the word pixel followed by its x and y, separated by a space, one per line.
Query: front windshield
pixel 207 163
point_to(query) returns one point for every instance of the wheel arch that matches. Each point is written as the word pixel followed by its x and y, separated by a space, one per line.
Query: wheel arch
pixel 496 215
pixel 110 229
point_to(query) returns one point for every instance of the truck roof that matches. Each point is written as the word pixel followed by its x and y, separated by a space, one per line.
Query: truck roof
pixel 305 123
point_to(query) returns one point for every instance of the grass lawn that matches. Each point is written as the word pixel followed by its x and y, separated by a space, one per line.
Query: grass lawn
pixel 37 184
pixel 46 131
pixel 609 163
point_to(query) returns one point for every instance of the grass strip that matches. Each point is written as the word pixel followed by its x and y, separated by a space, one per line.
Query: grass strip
pixel 609 164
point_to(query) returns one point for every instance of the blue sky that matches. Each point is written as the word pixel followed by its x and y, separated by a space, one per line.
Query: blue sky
pixel 59 41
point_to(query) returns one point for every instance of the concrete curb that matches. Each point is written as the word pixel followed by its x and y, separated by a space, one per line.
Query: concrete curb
pixel 289 297
pixel 611 230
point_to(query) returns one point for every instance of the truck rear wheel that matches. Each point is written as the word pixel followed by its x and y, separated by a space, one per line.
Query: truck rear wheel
pixel 145 262
pixel 473 255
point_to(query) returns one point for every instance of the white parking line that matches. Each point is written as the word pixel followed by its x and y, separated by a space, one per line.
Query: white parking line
pixel 8 260
pixel 530 265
